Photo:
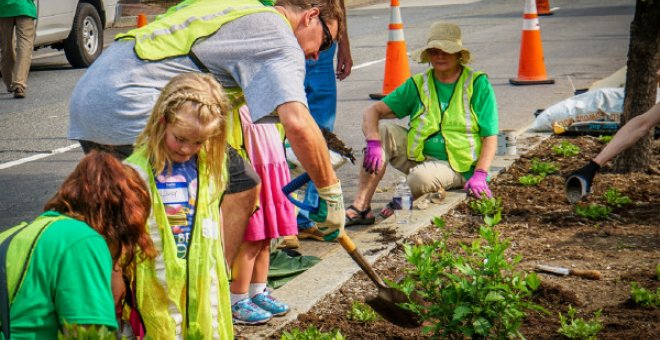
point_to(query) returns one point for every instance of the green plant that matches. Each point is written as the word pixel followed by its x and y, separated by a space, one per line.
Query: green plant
pixel 578 328
pixel 566 149
pixel 593 211
pixel 361 312
pixel 644 297
pixel 472 290
pixel 311 333
pixel 605 138
pixel 91 332
pixel 530 180
pixel 614 198
pixel 486 206
pixel 542 168
pixel 657 271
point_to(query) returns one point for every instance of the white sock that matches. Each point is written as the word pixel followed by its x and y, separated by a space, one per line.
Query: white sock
pixel 257 288
pixel 237 297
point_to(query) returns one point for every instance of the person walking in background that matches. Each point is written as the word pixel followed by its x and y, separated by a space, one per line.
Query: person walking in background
pixel 251 301
pixel 451 139
pixel 94 223
pixel 18 15
pixel 184 292
pixel 321 89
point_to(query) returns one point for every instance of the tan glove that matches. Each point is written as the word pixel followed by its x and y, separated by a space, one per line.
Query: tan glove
pixel 330 216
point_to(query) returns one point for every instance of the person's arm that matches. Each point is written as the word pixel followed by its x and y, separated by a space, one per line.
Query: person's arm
pixel 372 116
pixel 344 59
pixel 488 148
pixel 629 134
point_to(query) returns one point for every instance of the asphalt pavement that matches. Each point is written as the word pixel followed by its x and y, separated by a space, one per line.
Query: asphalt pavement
pixel 583 41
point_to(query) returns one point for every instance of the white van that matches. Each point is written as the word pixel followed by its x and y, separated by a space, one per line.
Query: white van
pixel 75 26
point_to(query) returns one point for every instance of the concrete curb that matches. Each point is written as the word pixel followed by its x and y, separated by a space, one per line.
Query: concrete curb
pixel 337 267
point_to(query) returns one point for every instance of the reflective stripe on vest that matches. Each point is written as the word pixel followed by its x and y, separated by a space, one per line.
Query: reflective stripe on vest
pixel 163 294
pixel 175 32
pixel 458 123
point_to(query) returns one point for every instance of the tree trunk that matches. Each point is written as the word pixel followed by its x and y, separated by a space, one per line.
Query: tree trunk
pixel 641 80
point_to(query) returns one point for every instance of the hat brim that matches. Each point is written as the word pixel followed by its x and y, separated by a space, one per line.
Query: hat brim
pixel 421 56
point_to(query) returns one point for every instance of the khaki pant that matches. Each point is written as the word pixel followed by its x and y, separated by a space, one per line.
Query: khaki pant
pixel 423 177
pixel 15 63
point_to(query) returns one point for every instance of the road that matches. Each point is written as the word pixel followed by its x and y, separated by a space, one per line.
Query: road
pixel 585 40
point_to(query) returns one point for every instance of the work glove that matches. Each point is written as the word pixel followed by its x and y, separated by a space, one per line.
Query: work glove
pixel 373 156
pixel 578 183
pixel 477 184
pixel 329 216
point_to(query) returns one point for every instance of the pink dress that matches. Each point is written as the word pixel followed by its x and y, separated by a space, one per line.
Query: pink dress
pixel 276 215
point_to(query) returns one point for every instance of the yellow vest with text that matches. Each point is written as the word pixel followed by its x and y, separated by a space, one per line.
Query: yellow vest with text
pixel 458 124
pixel 184 298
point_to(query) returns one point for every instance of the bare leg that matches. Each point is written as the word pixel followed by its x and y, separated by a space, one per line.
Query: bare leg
pixel 236 211
pixel 366 190
pixel 261 264
pixel 244 266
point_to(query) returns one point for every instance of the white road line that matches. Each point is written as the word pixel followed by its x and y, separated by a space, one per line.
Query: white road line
pixel 38 156
pixel 369 63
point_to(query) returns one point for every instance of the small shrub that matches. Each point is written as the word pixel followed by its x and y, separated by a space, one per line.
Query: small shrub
pixel 361 312
pixel 311 333
pixel 644 297
pixel 579 328
pixel 593 211
pixel 486 206
pixel 472 290
pixel 614 198
pixel 530 180
pixel 91 332
pixel 605 138
pixel 566 149
pixel 542 168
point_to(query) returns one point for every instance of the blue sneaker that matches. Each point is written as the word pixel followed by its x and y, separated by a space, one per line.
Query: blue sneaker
pixel 245 312
pixel 268 303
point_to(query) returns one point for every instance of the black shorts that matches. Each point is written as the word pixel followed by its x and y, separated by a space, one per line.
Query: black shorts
pixel 242 176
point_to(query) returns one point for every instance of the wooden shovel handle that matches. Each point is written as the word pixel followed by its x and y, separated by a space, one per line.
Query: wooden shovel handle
pixel 587 274
pixel 352 250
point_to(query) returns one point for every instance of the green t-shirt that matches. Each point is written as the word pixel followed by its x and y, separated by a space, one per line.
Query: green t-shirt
pixel 15 8
pixel 68 279
pixel 404 101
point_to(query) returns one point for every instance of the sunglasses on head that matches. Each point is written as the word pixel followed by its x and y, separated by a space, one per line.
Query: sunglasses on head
pixel 327 37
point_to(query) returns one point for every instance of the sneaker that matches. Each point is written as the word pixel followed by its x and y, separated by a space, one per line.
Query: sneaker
pixel 289 242
pixel 19 92
pixel 245 312
pixel 268 303
pixel 316 234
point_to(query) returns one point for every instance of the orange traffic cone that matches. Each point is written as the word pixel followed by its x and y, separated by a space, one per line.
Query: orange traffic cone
pixel 397 69
pixel 531 69
pixel 543 7
pixel 141 20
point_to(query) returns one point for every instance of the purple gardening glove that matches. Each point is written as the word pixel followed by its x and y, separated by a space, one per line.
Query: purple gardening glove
pixel 373 156
pixel 477 184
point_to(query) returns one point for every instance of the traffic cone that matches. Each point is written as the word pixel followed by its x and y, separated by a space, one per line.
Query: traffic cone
pixel 531 68
pixel 397 69
pixel 141 20
pixel 543 7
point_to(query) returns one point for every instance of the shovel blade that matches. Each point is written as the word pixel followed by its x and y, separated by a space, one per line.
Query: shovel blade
pixel 385 304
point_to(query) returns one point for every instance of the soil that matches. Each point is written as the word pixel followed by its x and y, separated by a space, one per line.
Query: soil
pixel 544 229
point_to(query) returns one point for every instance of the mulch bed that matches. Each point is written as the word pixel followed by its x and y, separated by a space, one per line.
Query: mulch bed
pixel 543 228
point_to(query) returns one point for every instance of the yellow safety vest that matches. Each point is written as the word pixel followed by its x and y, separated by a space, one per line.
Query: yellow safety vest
pixel 458 124
pixel 184 298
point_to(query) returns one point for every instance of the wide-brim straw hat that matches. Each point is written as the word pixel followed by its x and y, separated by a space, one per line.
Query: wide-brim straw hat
pixel 443 36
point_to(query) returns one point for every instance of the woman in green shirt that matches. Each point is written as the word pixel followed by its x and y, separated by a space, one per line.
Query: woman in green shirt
pixel 451 136
pixel 59 267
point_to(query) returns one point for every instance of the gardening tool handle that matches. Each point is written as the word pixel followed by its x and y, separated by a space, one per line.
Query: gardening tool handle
pixel 352 250
pixel 296 184
pixel 587 274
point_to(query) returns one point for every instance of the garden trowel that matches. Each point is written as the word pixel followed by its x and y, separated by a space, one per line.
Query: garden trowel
pixel 387 301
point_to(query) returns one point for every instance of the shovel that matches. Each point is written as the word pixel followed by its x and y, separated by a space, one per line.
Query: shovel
pixel 385 302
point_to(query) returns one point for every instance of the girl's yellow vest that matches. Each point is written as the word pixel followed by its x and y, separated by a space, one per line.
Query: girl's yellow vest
pixel 458 124
pixel 184 298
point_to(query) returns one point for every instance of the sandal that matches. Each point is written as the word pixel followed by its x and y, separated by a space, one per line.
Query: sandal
pixel 387 211
pixel 361 218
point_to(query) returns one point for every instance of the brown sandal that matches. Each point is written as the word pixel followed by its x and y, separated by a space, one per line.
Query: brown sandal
pixel 361 218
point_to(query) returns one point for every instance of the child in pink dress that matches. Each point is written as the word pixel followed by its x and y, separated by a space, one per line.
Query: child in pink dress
pixel 251 302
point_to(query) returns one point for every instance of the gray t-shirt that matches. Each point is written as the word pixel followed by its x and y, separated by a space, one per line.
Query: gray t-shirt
pixel 258 53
